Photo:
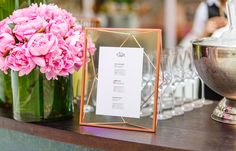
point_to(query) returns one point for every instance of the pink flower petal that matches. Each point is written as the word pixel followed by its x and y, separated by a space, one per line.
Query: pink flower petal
pixel 39 61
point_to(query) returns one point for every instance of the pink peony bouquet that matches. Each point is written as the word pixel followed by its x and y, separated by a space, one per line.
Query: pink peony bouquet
pixel 44 37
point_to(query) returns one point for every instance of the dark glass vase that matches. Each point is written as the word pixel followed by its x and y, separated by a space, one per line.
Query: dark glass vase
pixel 36 99
pixel 5 90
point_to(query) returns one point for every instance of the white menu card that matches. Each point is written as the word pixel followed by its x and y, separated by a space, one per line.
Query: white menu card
pixel 119 81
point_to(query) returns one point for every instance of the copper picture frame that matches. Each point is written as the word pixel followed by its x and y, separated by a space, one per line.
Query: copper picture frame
pixel 151 42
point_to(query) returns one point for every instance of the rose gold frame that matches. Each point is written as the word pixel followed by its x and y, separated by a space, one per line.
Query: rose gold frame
pixel 115 125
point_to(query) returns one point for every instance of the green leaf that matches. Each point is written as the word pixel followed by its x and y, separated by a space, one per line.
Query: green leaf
pixel 12 25
pixel 26 94
pixel 5 89
pixel 2 94
pixel 62 97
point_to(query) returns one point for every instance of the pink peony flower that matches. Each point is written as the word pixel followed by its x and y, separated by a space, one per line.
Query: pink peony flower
pixel 30 12
pixel 69 59
pixel 58 27
pixel 54 64
pixel 76 39
pixel 20 60
pixel 51 12
pixel 40 44
pixel 59 62
pixel 25 27
pixel 7 42
pixel 69 18
pixel 76 45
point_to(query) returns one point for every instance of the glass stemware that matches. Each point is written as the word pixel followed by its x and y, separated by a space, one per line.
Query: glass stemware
pixel 165 84
pixel 188 76
pixel 148 86
pixel 178 81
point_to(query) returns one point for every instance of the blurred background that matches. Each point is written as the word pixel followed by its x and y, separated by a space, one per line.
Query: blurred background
pixel 174 17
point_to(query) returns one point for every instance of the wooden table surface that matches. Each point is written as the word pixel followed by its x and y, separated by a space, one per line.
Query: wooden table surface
pixel 193 131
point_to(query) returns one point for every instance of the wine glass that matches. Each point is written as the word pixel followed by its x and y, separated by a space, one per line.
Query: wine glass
pixel 188 76
pixel 178 81
pixel 148 86
pixel 165 78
